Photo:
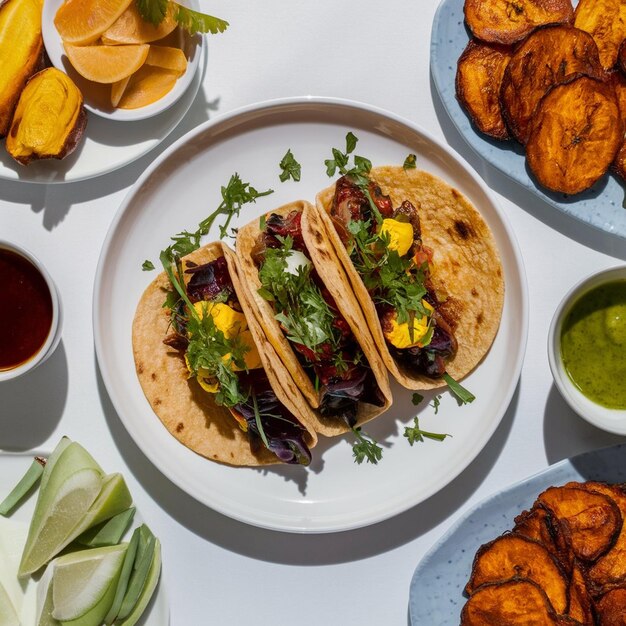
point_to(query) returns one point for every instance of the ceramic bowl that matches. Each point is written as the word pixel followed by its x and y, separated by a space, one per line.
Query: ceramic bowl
pixel 96 97
pixel 54 335
pixel 612 420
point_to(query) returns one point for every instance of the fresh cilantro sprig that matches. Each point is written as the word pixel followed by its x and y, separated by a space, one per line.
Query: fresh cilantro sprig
pixel 417 398
pixel 290 168
pixel 436 403
pixel 235 195
pixel 358 173
pixel 147 266
pixel 365 448
pixel 463 396
pixel 410 163
pixel 154 11
pixel 415 433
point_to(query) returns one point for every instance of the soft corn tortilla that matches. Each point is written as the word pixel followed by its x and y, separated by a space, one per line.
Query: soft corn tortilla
pixel 186 410
pixel 337 283
pixel 466 268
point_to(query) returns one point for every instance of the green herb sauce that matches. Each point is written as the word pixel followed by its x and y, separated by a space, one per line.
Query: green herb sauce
pixel 593 344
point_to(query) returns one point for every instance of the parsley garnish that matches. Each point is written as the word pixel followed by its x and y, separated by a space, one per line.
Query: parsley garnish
pixel 410 163
pixel 154 11
pixel 290 168
pixel 415 433
pixel 365 448
pixel 436 403
pixel 462 395
pixel 417 398
pixel 147 266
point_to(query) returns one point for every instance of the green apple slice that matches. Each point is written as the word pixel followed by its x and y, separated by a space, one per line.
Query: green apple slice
pixel 81 579
pixel 148 588
pixel 8 615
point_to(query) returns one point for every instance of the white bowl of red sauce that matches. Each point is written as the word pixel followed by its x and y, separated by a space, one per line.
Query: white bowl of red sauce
pixel 587 349
pixel 30 312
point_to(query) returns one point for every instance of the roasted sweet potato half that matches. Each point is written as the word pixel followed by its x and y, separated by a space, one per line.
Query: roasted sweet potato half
pixel 549 56
pixel 611 608
pixel 515 556
pixel 509 21
pixel 589 521
pixel 605 21
pixel 478 79
pixel 516 602
pixel 49 119
pixel 21 53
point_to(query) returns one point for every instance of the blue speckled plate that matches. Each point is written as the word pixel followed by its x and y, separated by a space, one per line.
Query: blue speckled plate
pixel 600 206
pixel 436 594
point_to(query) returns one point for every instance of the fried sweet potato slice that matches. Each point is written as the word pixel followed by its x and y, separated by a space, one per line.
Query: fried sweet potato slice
pixel 589 521
pixel 575 135
pixel 618 79
pixel 621 57
pixel 478 78
pixel 509 21
pixel 516 602
pixel 605 20
pixel 549 56
pixel 515 556
pixel 536 524
pixel 580 605
pixel 611 609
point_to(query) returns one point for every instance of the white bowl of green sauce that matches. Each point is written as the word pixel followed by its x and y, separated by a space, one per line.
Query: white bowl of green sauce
pixel 587 349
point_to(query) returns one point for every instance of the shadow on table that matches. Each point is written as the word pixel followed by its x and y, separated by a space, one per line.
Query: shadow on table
pixel 557 220
pixel 303 549
pixel 566 434
pixel 54 201
pixel 31 405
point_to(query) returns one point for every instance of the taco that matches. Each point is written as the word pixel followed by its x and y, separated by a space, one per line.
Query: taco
pixel 321 342
pixel 208 371
pixel 426 273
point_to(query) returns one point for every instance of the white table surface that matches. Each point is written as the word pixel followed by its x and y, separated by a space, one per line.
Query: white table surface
pixel 218 571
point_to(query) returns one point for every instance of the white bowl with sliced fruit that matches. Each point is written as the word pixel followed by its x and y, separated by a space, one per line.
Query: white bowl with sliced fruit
pixel 77 535
pixel 129 63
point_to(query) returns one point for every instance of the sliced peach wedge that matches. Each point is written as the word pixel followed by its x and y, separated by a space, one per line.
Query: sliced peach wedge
pixel 106 64
pixel 168 58
pixel 146 86
pixel 131 28
pixel 81 22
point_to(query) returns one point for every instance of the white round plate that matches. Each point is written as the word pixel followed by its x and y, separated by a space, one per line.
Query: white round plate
pixel 13 466
pixel 180 189
pixel 97 96
pixel 106 145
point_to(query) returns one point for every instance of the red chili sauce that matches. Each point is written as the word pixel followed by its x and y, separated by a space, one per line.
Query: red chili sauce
pixel 25 310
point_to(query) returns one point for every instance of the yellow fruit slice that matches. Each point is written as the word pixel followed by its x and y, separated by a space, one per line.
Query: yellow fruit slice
pixel 168 58
pixel 83 21
pixel 106 64
pixel 146 86
pixel 117 90
pixel 130 27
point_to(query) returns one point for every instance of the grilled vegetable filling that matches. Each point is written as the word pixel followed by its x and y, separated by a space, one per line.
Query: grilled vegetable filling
pixel 309 318
pixel 386 249
pixel 221 354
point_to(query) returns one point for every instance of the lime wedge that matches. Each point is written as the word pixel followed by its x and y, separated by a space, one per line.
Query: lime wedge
pixel 148 588
pixel 65 496
pixel 8 616
pixel 44 599
pixel 52 459
pixel 81 579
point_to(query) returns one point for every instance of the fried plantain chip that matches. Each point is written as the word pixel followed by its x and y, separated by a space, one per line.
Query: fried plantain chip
pixel 589 521
pixel 509 21
pixel 611 609
pixel 580 605
pixel 536 524
pixel 618 80
pixel 549 56
pixel 516 556
pixel 605 20
pixel 621 57
pixel 478 78
pixel 516 602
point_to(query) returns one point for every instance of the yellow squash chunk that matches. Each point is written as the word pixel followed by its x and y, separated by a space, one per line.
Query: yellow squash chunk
pixel 400 335
pixel 117 90
pixel 168 58
pixel 82 21
pixel 130 27
pixel 400 235
pixel 106 64
pixel 49 118
pixel 146 86
pixel 21 49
